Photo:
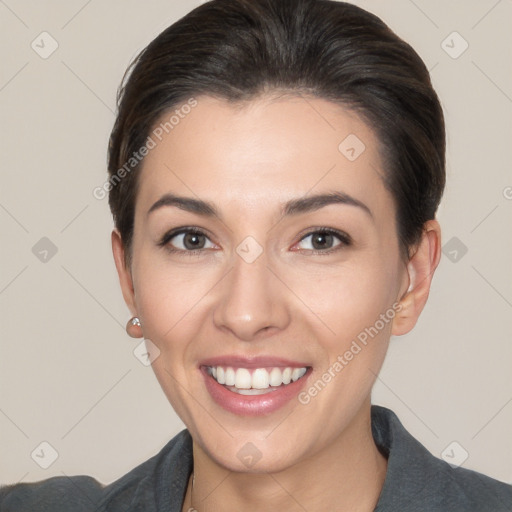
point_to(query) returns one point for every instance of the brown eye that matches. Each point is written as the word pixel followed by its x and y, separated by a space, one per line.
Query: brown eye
pixel 194 241
pixel 187 241
pixel 323 241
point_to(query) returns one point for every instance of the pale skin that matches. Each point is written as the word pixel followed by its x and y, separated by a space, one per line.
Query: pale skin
pixel 297 300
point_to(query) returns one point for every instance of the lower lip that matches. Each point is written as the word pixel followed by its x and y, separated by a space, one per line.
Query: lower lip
pixel 253 405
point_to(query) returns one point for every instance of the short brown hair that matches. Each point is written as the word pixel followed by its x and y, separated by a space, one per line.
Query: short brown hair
pixel 237 49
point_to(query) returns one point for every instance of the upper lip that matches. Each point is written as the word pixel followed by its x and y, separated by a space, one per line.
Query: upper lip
pixel 252 362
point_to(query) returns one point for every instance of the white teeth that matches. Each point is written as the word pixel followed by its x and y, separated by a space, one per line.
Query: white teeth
pixel 230 377
pixel 243 379
pixel 276 377
pixel 297 373
pixel 250 391
pixel 261 380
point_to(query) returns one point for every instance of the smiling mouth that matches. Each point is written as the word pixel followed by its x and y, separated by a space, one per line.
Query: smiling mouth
pixel 255 381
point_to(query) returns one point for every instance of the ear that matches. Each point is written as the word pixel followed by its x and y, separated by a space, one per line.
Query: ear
pixel 124 273
pixel 420 271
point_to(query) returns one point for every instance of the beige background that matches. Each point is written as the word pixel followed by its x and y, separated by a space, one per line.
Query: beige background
pixel 68 375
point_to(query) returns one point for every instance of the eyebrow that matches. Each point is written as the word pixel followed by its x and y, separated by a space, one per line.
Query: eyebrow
pixel 185 203
pixel 293 207
pixel 313 203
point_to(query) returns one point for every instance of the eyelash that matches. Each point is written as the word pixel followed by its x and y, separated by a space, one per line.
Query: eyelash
pixel 164 242
pixel 344 239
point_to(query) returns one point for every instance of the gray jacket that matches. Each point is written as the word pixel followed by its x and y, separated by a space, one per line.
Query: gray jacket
pixel 416 481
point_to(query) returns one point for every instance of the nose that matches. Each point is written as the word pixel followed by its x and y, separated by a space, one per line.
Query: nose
pixel 251 304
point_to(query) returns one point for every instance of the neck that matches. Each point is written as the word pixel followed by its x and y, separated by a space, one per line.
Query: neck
pixel 346 475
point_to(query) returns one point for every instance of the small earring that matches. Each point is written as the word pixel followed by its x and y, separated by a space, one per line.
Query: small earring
pixel 133 328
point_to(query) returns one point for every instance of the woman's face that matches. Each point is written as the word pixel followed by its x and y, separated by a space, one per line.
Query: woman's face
pixel 265 250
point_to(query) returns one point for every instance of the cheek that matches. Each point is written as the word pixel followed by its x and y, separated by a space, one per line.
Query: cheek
pixel 346 299
pixel 355 307
pixel 172 301
pixel 169 299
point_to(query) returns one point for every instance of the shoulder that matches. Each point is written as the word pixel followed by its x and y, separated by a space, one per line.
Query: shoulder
pixel 466 490
pixel 416 480
pixel 78 493
pixel 132 491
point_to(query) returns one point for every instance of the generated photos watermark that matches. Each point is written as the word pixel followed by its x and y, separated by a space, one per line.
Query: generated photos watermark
pixel 152 141
pixel 344 359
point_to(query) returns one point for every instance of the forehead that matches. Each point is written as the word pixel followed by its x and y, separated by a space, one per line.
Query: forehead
pixel 268 149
